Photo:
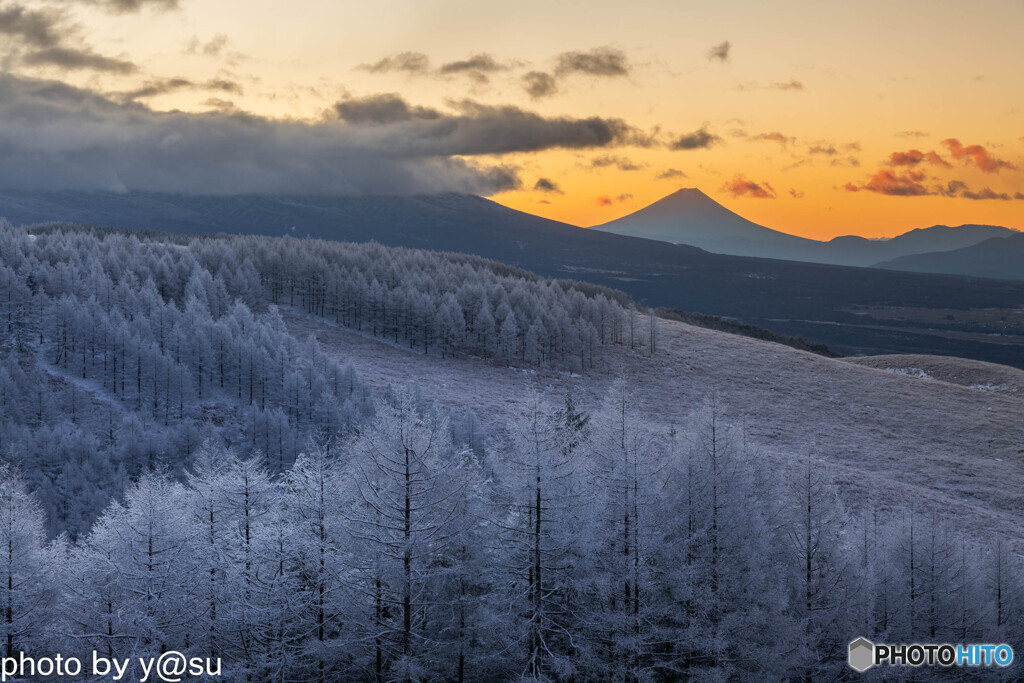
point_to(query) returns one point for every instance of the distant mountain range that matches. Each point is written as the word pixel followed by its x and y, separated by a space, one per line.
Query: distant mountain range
pixel 999 257
pixel 691 217
pixel 847 308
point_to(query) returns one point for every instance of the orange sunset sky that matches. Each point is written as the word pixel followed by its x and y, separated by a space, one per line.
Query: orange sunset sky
pixel 816 118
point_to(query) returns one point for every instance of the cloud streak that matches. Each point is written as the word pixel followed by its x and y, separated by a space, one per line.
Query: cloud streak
pixel 547 186
pixel 600 61
pixel 670 174
pixel 740 186
pixel 130 6
pixel 914 157
pixel 893 183
pixel 720 52
pixel 393 126
pixel 782 140
pixel 165 86
pixel 404 62
pixel 384 108
pixel 792 84
pixel 621 163
pixel 698 139
pixel 539 84
pixel 476 67
pixel 75 59
pixel 977 155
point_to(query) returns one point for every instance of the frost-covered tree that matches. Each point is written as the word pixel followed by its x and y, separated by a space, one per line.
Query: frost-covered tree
pixel 29 569
pixel 403 497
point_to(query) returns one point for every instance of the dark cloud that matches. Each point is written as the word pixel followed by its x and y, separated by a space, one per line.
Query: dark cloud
pixel 38 28
pixel 782 140
pixel 796 194
pixel 986 193
pixel 739 186
pixel 128 6
pixel 670 174
pixel 957 188
pixel 978 155
pixel 46 35
pixel 547 186
pixel 476 67
pixel 827 150
pixel 408 62
pixel 720 52
pixel 914 157
pixel 1018 195
pixel 93 142
pixel 485 129
pixel 169 85
pixel 476 129
pixel 539 84
pixel 698 139
pixel 624 197
pixel 382 109
pixel 912 134
pixel 621 163
pixel 379 144
pixel 787 85
pixel 73 59
pixel 600 61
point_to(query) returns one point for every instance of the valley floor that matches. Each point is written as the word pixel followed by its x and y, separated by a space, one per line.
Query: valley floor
pixel 893 440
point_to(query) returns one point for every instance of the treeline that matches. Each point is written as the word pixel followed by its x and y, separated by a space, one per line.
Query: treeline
pixel 588 547
pixel 447 303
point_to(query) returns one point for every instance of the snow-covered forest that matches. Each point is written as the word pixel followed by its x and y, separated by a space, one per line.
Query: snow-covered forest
pixel 181 473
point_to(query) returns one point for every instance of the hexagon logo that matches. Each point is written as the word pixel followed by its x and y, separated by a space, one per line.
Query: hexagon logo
pixel 862 655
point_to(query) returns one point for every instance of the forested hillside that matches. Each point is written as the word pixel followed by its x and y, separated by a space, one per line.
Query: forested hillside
pixel 125 352
pixel 181 473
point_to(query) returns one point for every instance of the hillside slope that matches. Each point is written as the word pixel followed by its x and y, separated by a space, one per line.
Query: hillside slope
pixel 891 439
pixel 961 371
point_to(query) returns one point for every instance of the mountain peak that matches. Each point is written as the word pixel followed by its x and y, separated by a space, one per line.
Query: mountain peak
pixel 689 216
pixel 688 194
pixel 687 191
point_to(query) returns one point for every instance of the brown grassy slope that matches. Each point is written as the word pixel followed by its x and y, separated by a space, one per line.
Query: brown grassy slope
pixel 892 440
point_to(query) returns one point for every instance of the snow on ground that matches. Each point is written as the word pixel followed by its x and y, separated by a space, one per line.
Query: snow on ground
pixel 969 373
pixel 891 439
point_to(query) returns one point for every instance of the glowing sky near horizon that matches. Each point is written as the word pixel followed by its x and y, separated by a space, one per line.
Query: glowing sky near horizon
pixel 816 118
